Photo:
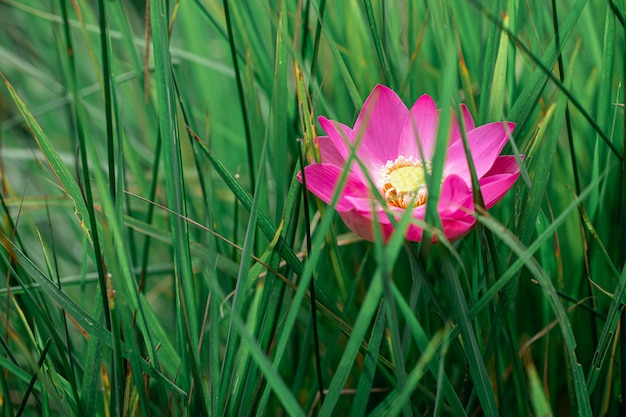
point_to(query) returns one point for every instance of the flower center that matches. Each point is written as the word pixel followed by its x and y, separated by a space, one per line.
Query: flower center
pixel 403 182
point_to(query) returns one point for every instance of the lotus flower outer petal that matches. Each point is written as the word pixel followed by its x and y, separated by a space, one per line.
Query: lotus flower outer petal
pixel 380 122
pixel 485 142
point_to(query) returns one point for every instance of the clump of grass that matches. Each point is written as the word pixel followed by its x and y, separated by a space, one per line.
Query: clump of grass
pixel 161 258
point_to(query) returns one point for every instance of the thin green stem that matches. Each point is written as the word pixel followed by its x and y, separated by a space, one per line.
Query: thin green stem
pixel 382 57
pixel 240 92
pixel 316 342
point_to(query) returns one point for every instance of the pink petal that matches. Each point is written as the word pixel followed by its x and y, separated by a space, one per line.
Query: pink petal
pixel 322 180
pixel 362 221
pixel 500 178
pixel 455 207
pixel 329 152
pixel 455 195
pixel 456 228
pixel 420 129
pixel 380 122
pixel 359 224
pixel 422 126
pixel 468 121
pixel 338 134
pixel 414 233
pixel 362 205
pixel 504 164
pixel 485 144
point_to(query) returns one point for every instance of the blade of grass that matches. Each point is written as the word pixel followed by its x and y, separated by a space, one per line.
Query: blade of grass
pixel 368 372
pixel 274 380
pixel 422 340
pixel 88 323
pixel 175 188
pixel 527 99
pixel 117 365
pixel 240 92
pixel 84 208
pixel 264 222
pixel 31 384
pixel 477 369
pixel 345 73
pixel 513 270
pixel 382 57
pixel 489 66
pixel 392 317
pixel 549 136
pixel 320 380
pixel 578 378
pixel 541 404
pixel 366 312
pixel 318 35
pixel 367 309
pixel 495 107
pixel 105 48
pixel 396 401
pixel 240 303
pixel 608 331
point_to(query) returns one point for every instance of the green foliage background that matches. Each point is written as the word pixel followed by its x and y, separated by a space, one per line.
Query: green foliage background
pixel 154 247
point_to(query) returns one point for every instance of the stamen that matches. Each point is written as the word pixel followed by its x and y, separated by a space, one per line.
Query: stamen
pixel 403 182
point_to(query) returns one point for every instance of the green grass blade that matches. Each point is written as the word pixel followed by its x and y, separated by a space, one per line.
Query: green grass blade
pixel 264 222
pixel 168 123
pixel 477 369
pixel 240 91
pixel 369 366
pixel 273 378
pixel 394 403
pixel 378 44
pixel 490 56
pixel 87 322
pixel 367 311
pixel 580 386
pixel 495 108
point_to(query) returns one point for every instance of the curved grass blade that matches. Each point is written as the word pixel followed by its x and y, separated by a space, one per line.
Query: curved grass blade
pixel 86 322
pixel 378 44
pixel 240 92
pixel 31 384
pixel 490 57
pixel 281 390
pixel 477 369
pixel 580 386
pixel 58 168
pixel 366 312
pixel 232 390
pixel 175 189
pixel 527 99
pixel 608 331
pixel 264 222
pixel 369 366
pixel 422 341
pixel 396 401
pixel 528 217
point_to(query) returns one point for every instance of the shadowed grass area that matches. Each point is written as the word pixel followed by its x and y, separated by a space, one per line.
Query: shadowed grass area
pixel 161 257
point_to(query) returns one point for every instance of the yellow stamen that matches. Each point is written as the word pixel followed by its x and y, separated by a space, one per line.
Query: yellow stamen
pixel 403 182
pixel 407 179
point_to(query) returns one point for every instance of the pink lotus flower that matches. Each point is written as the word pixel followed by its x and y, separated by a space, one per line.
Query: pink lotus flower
pixel 395 146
